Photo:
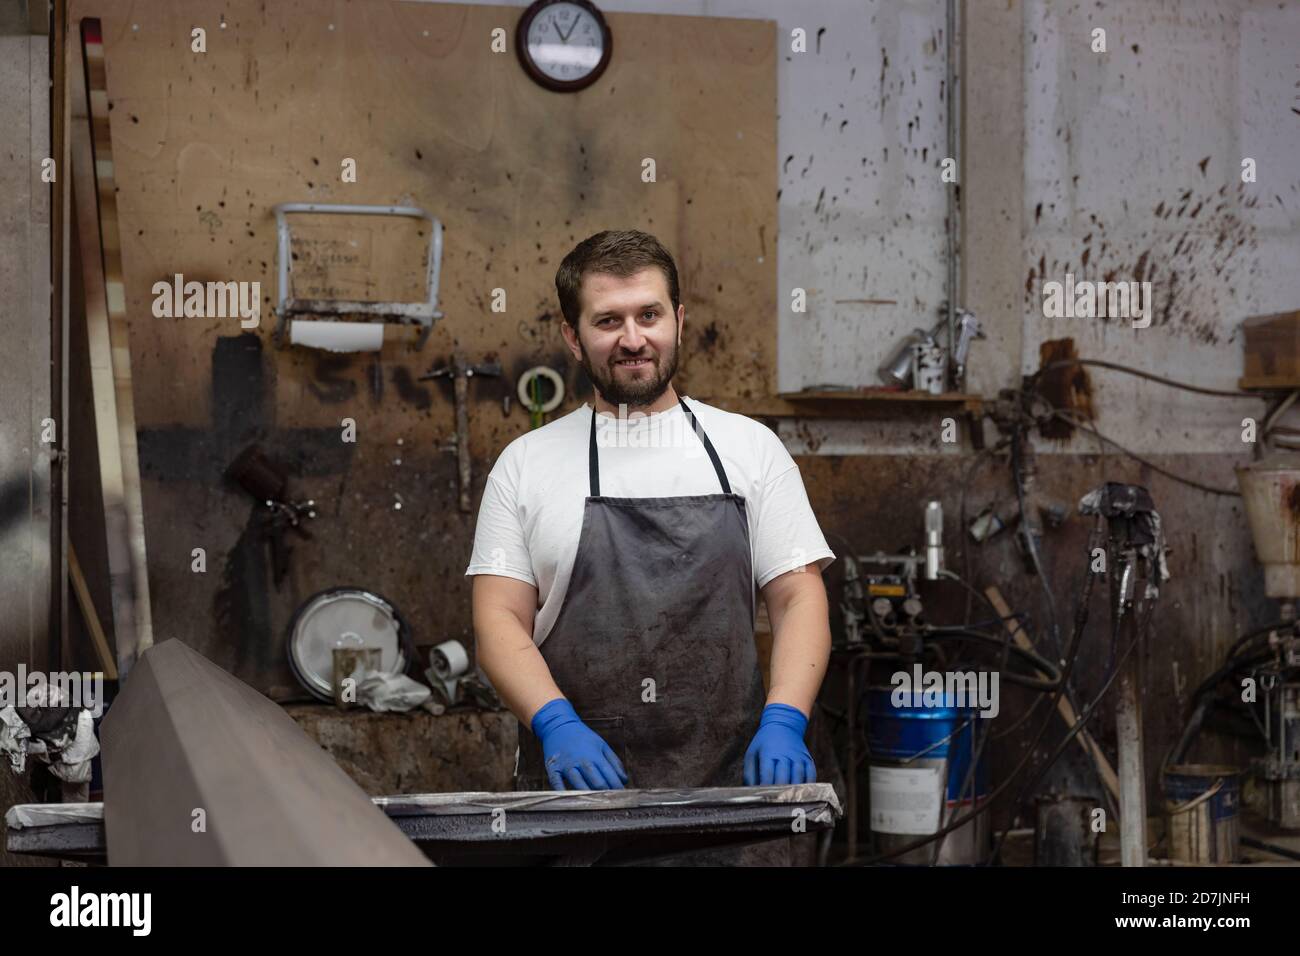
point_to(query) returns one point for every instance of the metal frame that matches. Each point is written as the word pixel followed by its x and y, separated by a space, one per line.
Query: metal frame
pixel 423 314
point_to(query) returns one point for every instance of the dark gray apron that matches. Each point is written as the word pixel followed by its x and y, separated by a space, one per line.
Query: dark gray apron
pixel 654 642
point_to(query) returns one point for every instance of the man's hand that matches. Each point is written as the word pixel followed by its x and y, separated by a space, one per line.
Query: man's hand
pixel 574 753
pixel 777 754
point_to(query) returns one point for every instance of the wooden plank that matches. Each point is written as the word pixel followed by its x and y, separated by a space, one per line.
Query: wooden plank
pixel 201 770
pixel 111 384
pixel 91 616
pixel 1128 736
pixel 1282 383
pixel 868 405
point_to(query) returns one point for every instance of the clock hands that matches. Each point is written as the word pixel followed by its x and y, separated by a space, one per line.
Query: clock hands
pixel 565 36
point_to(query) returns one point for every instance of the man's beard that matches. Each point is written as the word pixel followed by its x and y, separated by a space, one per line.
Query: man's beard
pixel 637 392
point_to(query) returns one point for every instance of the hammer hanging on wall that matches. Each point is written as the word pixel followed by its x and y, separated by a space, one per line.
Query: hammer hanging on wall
pixel 460 372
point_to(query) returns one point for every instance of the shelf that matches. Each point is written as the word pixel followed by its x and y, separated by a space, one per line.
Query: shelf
pixel 847 404
pixel 1268 383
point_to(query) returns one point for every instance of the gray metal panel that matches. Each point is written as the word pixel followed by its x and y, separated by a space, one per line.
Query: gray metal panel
pixel 186 736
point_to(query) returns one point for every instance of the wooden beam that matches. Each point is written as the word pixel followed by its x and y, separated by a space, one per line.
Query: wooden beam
pixel 91 616
pixel 110 364
pixel 848 405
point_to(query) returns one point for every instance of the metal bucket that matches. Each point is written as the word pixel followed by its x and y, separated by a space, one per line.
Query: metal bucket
pixel 1064 835
pixel 920 757
pixel 1201 804
pixel 1270 491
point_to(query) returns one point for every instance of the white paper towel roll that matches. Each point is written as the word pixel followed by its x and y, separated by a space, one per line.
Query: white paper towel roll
pixel 337 336
pixel 449 659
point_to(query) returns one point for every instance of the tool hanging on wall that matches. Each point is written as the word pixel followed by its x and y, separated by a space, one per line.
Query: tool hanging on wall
pixel 268 483
pixel 460 372
pixel 922 362
pixel 530 393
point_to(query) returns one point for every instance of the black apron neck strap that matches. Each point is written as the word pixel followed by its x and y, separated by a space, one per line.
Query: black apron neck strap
pixel 593 462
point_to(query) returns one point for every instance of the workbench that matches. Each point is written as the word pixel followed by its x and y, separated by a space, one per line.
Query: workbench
pixel 605 827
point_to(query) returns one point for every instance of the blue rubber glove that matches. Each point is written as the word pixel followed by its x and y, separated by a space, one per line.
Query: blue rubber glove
pixel 777 754
pixel 574 753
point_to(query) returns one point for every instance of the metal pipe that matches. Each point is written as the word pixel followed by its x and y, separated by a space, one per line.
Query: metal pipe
pixel 951 69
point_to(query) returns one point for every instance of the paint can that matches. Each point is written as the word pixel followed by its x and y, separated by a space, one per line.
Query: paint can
pixel 920 757
pixel 1064 834
pixel 352 665
pixel 1201 810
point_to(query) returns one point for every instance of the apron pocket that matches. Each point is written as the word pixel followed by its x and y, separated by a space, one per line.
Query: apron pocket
pixel 614 731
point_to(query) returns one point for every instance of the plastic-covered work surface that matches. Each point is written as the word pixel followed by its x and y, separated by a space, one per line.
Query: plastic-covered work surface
pixel 607 826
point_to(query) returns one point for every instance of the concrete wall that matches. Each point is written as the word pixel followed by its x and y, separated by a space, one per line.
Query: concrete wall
pixel 1132 170
pixel 25 384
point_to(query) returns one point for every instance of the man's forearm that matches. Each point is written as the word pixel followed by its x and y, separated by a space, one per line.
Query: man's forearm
pixel 801 646
pixel 513 663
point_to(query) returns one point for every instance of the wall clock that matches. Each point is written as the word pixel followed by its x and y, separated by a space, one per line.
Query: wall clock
pixel 564 45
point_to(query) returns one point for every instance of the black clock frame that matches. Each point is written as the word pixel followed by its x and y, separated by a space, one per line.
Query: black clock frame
pixel 540 78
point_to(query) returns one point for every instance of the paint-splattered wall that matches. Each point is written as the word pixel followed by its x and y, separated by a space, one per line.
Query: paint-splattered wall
pixel 1133 170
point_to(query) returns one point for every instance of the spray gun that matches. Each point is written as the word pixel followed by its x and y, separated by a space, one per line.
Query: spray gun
pixel 262 478
pixel 968 330
pixel 899 368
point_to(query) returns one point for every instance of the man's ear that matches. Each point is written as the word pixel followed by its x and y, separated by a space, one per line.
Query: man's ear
pixel 571 339
pixel 681 318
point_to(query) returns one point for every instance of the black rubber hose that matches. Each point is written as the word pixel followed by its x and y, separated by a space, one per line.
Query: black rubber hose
pixel 1044 685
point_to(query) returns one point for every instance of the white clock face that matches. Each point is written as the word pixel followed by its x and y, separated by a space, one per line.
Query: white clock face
pixel 565 42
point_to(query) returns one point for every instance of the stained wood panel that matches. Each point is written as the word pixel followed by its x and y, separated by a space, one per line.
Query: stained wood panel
pixel 206 143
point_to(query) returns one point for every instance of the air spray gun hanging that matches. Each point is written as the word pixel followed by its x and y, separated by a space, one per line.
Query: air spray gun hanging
pixel 266 481
pixel 922 362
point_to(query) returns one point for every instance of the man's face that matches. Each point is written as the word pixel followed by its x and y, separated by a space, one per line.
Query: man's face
pixel 627 336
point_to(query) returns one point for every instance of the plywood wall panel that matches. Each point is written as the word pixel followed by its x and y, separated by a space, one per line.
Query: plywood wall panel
pixel 207 143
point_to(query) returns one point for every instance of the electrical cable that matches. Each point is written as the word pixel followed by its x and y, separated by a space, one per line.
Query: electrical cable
pixel 972 771
pixel 1234 661
pixel 1116 366
pixel 1031 543
pixel 1019 616
pixel 1039 663
pixel 1208 489
pixel 1080 722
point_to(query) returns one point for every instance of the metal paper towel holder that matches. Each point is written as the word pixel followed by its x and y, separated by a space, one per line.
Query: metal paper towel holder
pixel 423 314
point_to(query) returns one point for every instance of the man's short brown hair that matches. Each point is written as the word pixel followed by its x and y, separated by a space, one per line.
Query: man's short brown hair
pixel 622 253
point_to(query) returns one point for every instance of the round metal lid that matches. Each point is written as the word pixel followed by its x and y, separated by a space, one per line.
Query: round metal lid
pixel 343 617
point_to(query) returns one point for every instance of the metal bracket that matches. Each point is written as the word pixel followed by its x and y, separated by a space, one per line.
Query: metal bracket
pixel 423 314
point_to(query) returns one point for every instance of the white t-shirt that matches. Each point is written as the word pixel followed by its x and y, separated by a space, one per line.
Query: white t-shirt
pixel 531 515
